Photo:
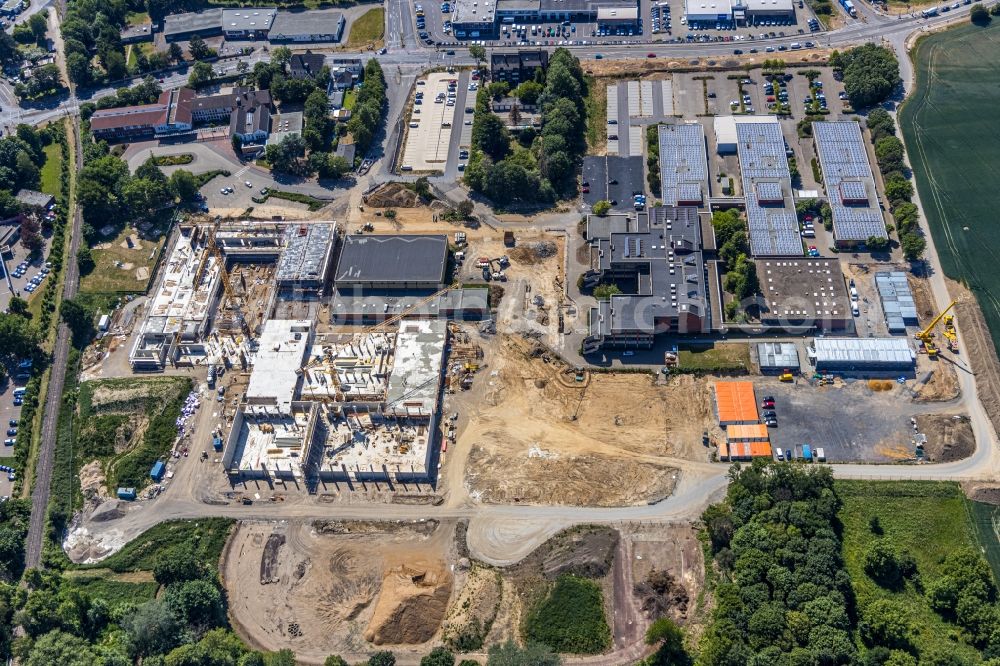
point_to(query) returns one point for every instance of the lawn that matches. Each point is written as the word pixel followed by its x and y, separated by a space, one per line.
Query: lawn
pixel 137 18
pixel 120 268
pixel 109 586
pixel 597 113
pixel 350 99
pixel 368 28
pixel 50 182
pixel 720 357
pixel 927 519
pixel 949 125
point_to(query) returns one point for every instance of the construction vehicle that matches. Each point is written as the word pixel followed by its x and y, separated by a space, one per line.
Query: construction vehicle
pixel 786 376
pixel 926 336
pixel 950 334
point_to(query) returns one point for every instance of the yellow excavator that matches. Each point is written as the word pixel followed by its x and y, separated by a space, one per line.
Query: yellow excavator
pixel 926 336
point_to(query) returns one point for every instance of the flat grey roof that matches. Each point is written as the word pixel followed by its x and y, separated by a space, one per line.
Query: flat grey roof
pixel 803 288
pixel 683 163
pixel 248 19
pixel 306 255
pixel 192 22
pixel 778 355
pixel 376 304
pixel 400 258
pixel 314 22
pixel 848 175
pixel 474 11
pixel 773 229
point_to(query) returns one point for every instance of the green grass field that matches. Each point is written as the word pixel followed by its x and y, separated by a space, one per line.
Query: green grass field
pixel 122 269
pixel 720 357
pixel 207 536
pixel 930 521
pixel 50 182
pixel 949 125
pixel 367 29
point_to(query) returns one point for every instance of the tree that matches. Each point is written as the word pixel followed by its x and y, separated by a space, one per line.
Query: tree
pixel 382 658
pixel 183 185
pixel 490 136
pixel 870 73
pixel 196 602
pixel 176 565
pixel 152 629
pixel 913 245
pixel 281 56
pixel 439 656
pixel 604 292
pixel 882 564
pixel 85 260
pixel 465 208
pixel 18 306
pixel 670 638
pixel 601 207
pixel 198 49
pixel 334 660
pixel 528 92
pixel 877 243
pixel 979 16
pixel 115 66
pixel 284 155
pixel 889 153
pixel 478 53
pixel 78 68
pixel 201 74
pixel 280 658
pixel 880 123
pixel 58 647
pixel 887 623
pixel 532 654
pixel 898 189
pixel 39 26
pixel 174 52
pixel 76 317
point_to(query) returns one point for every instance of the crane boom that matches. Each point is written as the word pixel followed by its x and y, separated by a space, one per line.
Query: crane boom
pixel 926 333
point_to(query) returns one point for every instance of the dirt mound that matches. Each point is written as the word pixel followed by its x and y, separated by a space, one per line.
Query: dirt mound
pixel 411 606
pixel 110 510
pixel 269 559
pixel 949 437
pixel 533 253
pixel 358 527
pixel 587 552
pixel 471 617
pixel 938 385
pixel 92 484
pixel 986 493
pixel 660 594
pixel 393 195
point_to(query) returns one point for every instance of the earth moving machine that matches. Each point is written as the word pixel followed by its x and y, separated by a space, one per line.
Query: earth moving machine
pixel 374 328
pixel 926 336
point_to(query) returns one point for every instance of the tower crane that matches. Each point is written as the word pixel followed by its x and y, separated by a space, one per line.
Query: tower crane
pixel 926 336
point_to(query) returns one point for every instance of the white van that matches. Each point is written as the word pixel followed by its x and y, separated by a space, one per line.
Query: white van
pixel 779 454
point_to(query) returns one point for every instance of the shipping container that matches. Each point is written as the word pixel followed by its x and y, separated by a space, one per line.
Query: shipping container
pixel 806 453
pixel 126 494
pixel 820 454
pixel 159 469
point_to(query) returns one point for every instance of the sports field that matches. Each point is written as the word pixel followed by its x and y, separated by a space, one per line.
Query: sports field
pixel 949 124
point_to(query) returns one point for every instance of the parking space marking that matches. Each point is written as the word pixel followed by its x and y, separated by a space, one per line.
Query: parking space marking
pixel 667 95
pixel 427 144
pixel 633 98
pixel 612 115
pixel 635 140
pixel 645 98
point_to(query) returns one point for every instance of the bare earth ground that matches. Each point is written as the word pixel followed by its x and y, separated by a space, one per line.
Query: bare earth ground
pixel 345 587
pixel 536 435
pixel 949 436
pixel 974 338
pixel 641 68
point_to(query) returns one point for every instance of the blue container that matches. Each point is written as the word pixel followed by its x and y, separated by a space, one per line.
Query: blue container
pixel 159 469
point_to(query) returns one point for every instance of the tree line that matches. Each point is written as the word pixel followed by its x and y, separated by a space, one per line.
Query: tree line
pixel 890 155
pixel 531 167
pixel 870 73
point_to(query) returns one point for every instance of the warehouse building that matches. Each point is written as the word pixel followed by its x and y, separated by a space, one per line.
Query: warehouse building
pixel 754 11
pixel 777 357
pixel 248 22
pixel 870 356
pixel 708 11
pixel 897 301
pixel 683 164
pixel 804 294
pixel 323 25
pixel 180 27
pixel 850 185
pixel 659 253
pixel 767 188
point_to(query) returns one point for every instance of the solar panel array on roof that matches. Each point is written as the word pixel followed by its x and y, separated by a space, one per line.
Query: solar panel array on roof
pixel 897 300
pixel 768 191
pixel 683 163
pixel 773 231
pixel 846 172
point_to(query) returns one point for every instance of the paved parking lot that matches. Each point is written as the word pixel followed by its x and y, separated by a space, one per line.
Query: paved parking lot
pixel 11 285
pixel 633 105
pixel 429 131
